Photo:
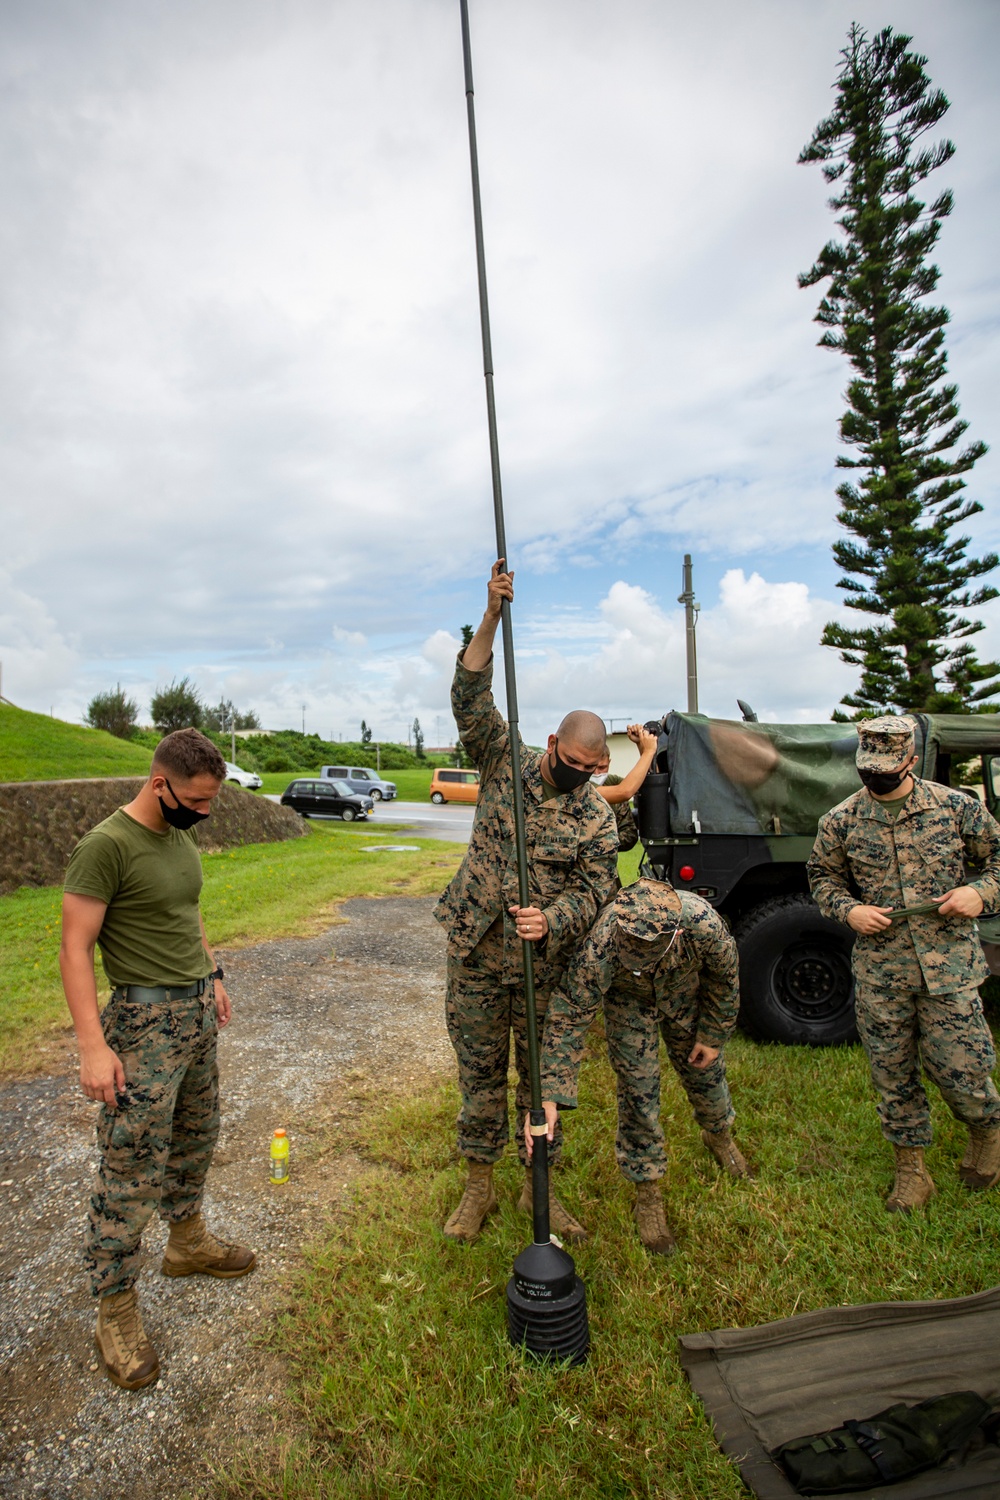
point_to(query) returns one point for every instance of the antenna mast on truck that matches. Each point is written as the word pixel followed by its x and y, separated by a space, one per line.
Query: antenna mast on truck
pixel 691 612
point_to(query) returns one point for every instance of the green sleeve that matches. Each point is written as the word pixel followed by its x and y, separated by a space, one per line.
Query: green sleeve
pixel 628 833
pixel 95 868
pixel 590 885
pixel 981 838
pixel 719 983
pixel 568 1017
pixel 829 873
pixel 481 727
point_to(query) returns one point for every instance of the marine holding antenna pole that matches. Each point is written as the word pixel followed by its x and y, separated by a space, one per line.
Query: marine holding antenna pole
pixel 546 1301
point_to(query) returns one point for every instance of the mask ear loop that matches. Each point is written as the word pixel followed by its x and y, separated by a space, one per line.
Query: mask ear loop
pixel 673 939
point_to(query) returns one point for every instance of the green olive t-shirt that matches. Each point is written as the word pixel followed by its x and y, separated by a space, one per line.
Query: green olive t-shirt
pixel 151 883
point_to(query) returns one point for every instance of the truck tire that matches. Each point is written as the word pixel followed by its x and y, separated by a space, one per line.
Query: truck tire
pixel 796 984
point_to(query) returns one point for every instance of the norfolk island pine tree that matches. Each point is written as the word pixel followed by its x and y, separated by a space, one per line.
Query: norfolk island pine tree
pixel 911 577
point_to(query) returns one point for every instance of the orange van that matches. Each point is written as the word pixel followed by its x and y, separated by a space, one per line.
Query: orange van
pixel 455 786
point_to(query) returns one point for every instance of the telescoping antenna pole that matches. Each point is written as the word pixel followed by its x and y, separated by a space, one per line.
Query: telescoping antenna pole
pixel 546 1301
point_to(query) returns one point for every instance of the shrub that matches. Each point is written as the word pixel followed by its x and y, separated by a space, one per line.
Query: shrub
pixel 178 706
pixel 113 712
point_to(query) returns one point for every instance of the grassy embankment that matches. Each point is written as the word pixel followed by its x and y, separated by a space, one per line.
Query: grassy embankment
pixel 36 748
pixel 401 1378
pixel 251 894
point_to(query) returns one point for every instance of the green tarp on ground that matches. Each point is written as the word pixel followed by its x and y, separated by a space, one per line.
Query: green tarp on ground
pixel 765 1386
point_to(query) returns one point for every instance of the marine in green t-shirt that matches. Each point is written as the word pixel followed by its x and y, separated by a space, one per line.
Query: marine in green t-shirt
pixel 132 890
pixel 150 883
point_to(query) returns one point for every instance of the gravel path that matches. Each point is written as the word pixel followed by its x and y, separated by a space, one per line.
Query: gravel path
pixel 317 1023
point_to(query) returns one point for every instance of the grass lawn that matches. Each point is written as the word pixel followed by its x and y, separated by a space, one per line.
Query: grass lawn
pixel 251 894
pixel 413 784
pixel 402 1379
pixel 36 748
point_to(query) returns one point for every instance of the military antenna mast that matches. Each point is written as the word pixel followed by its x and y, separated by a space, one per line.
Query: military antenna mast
pixel 546 1301
pixel 691 612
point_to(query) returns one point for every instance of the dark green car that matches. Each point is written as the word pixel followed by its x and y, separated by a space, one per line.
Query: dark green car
pixel 326 799
pixel 730 811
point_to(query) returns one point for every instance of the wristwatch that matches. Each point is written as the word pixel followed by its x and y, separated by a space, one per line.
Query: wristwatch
pixel 218 973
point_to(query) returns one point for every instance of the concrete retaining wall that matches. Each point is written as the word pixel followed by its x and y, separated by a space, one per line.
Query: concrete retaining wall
pixel 42 821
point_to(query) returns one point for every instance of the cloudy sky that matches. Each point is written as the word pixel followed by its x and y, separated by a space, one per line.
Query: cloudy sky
pixel 243 423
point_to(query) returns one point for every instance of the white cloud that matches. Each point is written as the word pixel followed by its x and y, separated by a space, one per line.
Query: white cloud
pixel 40 666
pixel 240 375
pixel 350 639
pixel 759 642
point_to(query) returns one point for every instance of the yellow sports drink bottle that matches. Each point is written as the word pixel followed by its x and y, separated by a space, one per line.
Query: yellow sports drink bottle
pixel 279 1157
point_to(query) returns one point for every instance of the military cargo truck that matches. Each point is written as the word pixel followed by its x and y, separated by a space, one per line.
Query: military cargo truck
pixel 730 811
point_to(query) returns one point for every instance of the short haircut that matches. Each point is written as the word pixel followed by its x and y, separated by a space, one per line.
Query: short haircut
pixel 187 753
pixel 585 730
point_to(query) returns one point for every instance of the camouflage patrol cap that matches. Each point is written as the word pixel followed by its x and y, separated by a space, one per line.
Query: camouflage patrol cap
pixel 647 914
pixel 884 744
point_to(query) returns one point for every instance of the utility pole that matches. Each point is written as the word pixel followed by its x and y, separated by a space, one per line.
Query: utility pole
pixel 691 612
pixel 303 718
pixel 232 726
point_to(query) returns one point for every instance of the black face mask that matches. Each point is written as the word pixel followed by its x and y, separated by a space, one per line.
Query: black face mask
pixel 180 816
pixel 565 778
pixel 884 782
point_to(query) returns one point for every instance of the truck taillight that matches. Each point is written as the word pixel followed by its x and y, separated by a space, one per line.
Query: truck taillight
pixel 686 872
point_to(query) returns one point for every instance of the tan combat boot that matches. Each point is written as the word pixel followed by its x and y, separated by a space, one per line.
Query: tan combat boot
pixel 561 1221
pixel 128 1356
pixel 726 1152
pixel 651 1218
pixel 913 1185
pixel 477 1201
pixel 192 1249
pixel 980 1167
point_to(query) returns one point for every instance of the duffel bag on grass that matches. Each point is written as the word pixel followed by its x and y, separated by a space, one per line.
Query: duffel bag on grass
pixel 892 1445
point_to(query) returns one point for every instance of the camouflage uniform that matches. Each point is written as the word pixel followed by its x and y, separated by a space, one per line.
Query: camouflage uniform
pixel 572 871
pixel 916 983
pixel 687 990
pixel 156 1147
pixel 628 833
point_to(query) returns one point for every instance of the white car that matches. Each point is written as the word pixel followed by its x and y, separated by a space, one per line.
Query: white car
pixel 243 778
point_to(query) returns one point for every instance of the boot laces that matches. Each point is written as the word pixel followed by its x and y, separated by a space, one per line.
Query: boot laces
pixel 650 1212
pixel 125 1325
pixel 200 1238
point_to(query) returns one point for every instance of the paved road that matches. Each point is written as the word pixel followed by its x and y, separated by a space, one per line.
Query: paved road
pixel 450 822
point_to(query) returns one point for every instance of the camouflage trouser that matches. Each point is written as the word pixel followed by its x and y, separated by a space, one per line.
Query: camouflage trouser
pixel 633 1031
pixel 481 1012
pixel 949 1035
pixel 157 1145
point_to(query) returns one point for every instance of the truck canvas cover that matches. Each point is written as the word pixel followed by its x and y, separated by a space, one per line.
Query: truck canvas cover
pixel 962 735
pixel 728 777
